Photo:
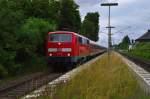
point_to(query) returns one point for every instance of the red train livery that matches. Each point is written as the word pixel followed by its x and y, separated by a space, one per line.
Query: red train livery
pixel 70 47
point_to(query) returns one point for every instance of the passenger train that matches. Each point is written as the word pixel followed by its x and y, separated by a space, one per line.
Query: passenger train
pixel 70 47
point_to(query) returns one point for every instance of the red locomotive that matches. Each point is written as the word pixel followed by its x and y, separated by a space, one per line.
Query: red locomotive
pixel 70 47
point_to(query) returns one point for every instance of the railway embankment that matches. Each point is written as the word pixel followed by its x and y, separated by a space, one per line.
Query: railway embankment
pixel 49 89
pixel 106 78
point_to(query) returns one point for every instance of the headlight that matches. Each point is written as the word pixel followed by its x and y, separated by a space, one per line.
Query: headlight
pixel 52 50
pixel 66 49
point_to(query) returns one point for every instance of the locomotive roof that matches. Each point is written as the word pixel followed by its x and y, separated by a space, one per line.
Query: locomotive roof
pixel 70 32
pixel 93 42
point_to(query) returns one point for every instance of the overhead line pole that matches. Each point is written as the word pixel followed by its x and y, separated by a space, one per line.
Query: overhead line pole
pixel 109 26
pixel 109 38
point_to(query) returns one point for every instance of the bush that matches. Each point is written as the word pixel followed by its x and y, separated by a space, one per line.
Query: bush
pixel 142 50
pixel 3 72
pixel 32 36
pixel 22 55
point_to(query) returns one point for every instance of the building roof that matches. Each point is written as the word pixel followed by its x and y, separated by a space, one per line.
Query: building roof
pixel 145 37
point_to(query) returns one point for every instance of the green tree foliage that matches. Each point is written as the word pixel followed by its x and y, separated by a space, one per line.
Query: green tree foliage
pixel 32 36
pixel 13 25
pixel 125 43
pixel 33 33
pixel 69 15
pixel 90 26
pixel 11 19
pixel 141 50
pixel 3 72
pixel 46 9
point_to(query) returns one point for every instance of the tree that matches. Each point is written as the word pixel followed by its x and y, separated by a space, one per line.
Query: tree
pixel 11 18
pixel 90 26
pixel 125 43
pixel 87 28
pixel 45 9
pixel 69 15
pixel 3 72
pixel 32 37
pixel 31 46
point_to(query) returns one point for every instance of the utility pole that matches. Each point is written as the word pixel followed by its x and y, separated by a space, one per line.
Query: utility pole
pixel 109 26
pixel 109 37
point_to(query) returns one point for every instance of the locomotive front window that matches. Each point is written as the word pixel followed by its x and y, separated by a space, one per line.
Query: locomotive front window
pixel 60 37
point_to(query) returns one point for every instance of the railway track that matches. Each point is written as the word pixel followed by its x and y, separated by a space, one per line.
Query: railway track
pixel 139 61
pixel 17 89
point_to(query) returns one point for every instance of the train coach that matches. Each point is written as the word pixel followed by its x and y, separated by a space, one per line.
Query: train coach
pixel 70 47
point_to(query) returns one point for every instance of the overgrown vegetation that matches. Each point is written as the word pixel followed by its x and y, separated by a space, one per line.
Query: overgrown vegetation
pixel 23 29
pixel 138 49
pixel 141 50
pixel 24 25
pixel 124 45
pixel 90 26
pixel 69 15
pixel 102 80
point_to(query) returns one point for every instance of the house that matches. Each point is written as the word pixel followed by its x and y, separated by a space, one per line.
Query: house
pixel 144 38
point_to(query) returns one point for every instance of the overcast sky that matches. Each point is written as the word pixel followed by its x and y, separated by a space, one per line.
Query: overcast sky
pixel 132 17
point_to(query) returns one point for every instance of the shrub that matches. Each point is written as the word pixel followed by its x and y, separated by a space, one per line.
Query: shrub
pixel 33 33
pixel 32 36
pixel 142 50
pixel 3 72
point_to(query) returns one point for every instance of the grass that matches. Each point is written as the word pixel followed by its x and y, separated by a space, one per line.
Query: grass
pixel 102 80
pixel 141 50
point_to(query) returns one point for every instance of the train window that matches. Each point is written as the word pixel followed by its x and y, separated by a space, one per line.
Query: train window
pixel 60 37
pixel 88 41
pixel 84 41
pixel 80 40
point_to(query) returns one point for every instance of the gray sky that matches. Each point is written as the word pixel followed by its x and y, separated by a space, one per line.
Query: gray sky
pixel 130 13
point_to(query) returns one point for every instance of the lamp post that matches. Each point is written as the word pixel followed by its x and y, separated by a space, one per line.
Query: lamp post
pixel 109 26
